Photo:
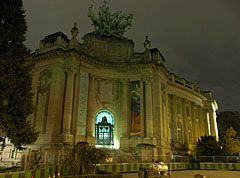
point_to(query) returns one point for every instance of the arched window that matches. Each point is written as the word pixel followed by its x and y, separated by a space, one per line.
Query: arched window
pixel 104 128
pixel 179 132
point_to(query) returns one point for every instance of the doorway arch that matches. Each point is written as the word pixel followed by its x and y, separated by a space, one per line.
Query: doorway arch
pixel 104 128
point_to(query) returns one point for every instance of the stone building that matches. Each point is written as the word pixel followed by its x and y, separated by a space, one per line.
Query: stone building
pixel 104 93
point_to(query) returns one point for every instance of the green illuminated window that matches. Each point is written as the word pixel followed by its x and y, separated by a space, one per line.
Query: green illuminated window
pixel 104 128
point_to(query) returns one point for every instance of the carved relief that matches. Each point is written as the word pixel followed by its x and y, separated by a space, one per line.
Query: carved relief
pixel 42 101
pixel 105 91
pixel 82 108
pixel 45 81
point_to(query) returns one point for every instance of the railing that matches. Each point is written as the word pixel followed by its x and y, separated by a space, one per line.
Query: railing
pixel 26 159
pixel 219 159
pixel 29 159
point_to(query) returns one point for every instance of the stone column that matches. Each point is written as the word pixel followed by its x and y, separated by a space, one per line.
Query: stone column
pixel 204 113
pixel 90 110
pixel 194 123
pixel 125 98
pixel 162 123
pixel 201 121
pixel 148 106
pixel 67 113
pixel 185 122
pixel 165 114
pixel 211 118
pixel 173 119
pixel 142 109
pixel 215 125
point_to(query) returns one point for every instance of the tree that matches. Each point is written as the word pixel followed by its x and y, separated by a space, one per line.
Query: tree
pixel 227 119
pixel 231 143
pixel 208 146
pixel 15 76
pixel 84 159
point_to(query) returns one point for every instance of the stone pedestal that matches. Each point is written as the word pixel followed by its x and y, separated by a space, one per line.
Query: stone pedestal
pixel 67 139
pixel 147 152
pixel 150 141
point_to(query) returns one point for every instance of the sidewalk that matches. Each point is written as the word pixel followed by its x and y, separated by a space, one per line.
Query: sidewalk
pixel 192 173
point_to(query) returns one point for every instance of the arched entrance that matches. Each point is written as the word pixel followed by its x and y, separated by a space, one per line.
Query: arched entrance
pixel 104 128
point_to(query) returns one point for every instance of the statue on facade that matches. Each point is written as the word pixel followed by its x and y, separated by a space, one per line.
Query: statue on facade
pixel 108 24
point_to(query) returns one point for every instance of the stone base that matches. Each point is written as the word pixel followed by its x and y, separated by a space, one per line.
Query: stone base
pixel 150 141
pixel 67 139
pixel 124 143
pixel 80 138
pixel 91 140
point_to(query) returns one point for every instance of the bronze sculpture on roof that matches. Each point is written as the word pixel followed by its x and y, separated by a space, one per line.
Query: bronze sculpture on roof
pixel 110 24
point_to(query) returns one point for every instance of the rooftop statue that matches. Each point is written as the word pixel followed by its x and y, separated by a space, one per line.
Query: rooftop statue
pixel 108 24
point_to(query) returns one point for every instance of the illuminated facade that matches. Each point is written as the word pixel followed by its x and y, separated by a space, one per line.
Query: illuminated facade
pixel 104 93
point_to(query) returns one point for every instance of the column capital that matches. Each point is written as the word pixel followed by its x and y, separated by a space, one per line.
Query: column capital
pixel 125 80
pixel 193 104
pixel 92 77
pixel 70 69
pixel 148 79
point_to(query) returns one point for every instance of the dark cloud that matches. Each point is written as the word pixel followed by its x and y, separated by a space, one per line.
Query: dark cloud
pixel 199 39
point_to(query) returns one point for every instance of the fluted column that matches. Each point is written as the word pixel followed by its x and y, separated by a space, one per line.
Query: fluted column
pixel 67 113
pixel 148 106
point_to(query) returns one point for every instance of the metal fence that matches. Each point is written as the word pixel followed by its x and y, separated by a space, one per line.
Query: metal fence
pixel 26 159
pixel 219 159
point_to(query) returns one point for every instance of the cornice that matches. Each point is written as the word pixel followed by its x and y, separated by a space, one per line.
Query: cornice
pixel 59 52
pixel 182 87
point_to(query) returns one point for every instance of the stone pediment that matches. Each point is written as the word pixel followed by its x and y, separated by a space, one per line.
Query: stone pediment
pixel 108 49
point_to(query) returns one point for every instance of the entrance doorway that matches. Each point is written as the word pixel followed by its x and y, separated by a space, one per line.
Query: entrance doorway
pixel 104 128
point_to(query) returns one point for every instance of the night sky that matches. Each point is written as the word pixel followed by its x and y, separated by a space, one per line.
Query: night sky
pixel 200 39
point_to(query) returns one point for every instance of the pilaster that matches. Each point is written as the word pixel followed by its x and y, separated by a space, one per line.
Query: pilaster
pixel 149 114
pixel 124 139
pixel 67 115
pixel 91 110
pixel 142 111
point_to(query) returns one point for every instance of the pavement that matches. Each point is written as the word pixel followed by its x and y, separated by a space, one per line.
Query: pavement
pixel 192 173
